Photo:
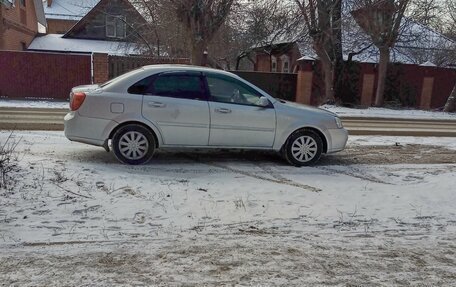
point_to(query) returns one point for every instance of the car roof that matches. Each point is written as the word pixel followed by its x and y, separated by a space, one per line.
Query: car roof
pixel 178 67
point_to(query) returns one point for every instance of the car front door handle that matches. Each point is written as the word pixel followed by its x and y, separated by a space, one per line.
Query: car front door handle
pixel 156 105
pixel 223 111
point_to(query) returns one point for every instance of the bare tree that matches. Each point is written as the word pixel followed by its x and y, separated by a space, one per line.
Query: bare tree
pixel 451 5
pixel 381 20
pixel 323 22
pixel 202 19
pixel 264 24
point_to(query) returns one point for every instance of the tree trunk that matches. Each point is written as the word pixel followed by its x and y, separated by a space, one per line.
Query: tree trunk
pixel 328 72
pixel 382 69
pixel 450 106
pixel 198 56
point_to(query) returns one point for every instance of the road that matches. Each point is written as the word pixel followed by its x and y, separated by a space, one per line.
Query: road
pixel 52 120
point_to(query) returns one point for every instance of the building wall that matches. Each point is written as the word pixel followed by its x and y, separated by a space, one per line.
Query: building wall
pixel 19 26
pixel 264 61
pixel 57 26
pixel 95 23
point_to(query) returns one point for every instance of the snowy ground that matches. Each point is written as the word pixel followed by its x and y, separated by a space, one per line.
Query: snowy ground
pixel 381 213
pixel 389 113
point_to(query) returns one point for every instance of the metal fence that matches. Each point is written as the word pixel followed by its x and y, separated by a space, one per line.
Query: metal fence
pixel 35 75
pixel 278 85
pixel 119 65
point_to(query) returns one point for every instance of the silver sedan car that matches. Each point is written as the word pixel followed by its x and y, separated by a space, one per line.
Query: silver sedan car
pixel 170 106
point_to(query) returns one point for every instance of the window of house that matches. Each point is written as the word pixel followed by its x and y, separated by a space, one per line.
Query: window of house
pixel 116 27
pixel 273 64
pixel 286 64
pixel 23 46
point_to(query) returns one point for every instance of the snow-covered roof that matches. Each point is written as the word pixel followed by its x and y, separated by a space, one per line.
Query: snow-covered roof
pixel 55 43
pixel 68 9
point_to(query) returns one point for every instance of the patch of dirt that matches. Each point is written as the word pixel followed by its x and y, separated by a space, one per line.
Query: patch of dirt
pixel 407 154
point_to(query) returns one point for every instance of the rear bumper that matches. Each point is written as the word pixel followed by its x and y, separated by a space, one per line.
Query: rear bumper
pixel 339 138
pixel 84 129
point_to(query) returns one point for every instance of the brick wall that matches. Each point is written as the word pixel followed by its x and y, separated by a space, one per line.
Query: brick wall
pixel 57 26
pixel 100 68
pixel 19 26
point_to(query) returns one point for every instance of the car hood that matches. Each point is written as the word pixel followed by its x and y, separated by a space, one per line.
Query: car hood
pixel 297 106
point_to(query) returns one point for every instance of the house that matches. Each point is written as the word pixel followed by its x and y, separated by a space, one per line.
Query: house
pixel 112 26
pixel 20 22
pixel 417 44
pixel 62 15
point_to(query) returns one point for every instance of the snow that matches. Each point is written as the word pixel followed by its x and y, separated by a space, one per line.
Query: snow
pixel 389 113
pixel 379 212
pixel 56 43
pixel 68 9
pixel 34 104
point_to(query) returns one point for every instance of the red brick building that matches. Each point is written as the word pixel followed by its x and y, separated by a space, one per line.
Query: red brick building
pixel 19 23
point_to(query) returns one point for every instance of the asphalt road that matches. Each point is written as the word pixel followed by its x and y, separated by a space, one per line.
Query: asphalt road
pixel 52 119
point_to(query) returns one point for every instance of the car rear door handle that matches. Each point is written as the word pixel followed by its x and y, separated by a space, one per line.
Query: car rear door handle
pixel 223 111
pixel 156 105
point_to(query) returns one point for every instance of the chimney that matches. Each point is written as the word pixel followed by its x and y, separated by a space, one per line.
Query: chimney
pixel 49 3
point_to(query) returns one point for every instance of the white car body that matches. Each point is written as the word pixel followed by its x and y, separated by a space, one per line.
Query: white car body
pixel 196 123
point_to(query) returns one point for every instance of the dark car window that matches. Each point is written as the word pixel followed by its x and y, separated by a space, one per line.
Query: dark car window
pixel 229 90
pixel 178 86
pixel 141 87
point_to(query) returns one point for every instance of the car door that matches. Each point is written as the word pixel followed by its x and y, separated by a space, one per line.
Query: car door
pixel 177 103
pixel 236 118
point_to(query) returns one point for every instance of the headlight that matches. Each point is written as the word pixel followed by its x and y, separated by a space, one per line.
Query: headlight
pixel 339 123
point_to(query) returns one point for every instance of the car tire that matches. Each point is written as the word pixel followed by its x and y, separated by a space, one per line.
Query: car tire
pixel 133 144
pixel 303 148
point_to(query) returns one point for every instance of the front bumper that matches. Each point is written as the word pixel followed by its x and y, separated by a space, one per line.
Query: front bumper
pixel 84 129
pixel 339 138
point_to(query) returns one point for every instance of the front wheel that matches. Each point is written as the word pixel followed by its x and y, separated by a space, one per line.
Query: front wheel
pixel 133 144
pixel 303 148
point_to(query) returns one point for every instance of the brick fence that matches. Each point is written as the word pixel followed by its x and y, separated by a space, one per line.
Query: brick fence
pixel 407 85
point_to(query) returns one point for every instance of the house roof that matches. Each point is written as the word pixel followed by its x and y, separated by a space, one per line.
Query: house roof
pixel 68 9
pixel 40 12
pixel 94 11
pixel 56 43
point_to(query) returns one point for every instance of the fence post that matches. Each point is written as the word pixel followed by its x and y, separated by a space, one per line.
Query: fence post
pixel 100 64
pixel 304 84
pixel 426 93
pixel 367 91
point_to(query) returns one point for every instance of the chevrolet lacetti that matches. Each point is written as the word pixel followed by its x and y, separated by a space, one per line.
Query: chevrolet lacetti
pixel 170 106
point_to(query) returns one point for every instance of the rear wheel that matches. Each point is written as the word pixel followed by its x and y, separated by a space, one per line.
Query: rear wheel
pixel 303 148
pixel 133 144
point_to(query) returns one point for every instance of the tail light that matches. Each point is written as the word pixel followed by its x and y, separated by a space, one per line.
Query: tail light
pixel 76 100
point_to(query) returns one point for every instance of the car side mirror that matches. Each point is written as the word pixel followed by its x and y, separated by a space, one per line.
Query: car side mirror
pixel 263 102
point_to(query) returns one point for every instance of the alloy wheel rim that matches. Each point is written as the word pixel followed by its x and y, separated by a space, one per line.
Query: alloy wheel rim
pixel 304 149
pixel 133 145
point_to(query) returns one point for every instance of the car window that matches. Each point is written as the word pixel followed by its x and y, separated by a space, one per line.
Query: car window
pixel 178 86
pixel 141 87
pixel 228 90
